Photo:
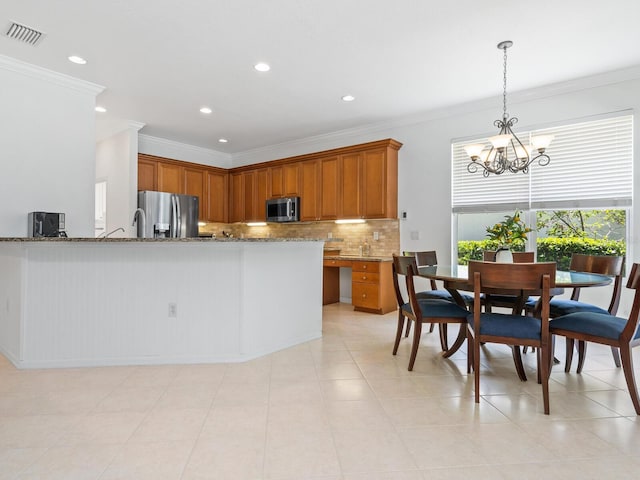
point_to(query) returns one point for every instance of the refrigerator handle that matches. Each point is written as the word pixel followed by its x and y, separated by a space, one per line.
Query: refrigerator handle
pixel 178 217
pixel 174 217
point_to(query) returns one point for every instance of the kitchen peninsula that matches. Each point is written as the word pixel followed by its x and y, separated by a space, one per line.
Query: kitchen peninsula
pixel 91 302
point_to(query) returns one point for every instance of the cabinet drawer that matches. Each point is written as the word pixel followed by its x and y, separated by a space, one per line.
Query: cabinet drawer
pixel 365 277
pixel 365 295
pixel 366 267
pixel 327 262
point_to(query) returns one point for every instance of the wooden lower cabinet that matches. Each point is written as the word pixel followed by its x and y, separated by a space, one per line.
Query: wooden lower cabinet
pixel 371 284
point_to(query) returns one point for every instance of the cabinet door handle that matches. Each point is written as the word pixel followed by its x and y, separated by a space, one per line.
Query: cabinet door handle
pixel 364 295
pixel 364 277
pixel 364 267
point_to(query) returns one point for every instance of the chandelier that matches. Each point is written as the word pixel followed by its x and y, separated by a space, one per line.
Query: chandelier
pixel 507 152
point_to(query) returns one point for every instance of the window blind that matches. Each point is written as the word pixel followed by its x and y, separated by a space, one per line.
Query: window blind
pixel 591 167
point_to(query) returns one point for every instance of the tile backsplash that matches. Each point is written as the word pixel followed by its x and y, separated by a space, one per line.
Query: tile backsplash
pixel 345 237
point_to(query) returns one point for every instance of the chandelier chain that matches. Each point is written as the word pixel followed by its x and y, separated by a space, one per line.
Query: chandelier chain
pixel 504 84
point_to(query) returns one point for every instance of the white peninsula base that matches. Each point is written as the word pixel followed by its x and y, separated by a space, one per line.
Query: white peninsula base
pixel 69 303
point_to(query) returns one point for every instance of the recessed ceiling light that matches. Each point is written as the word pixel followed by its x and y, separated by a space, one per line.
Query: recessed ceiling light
pixel 100 109
pixel 78 60
pixel 223 140
pixel 206 110
pixel 262 67
pixel 348 98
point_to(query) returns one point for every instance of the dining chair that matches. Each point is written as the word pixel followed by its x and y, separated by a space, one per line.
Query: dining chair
pixel 429 258
pixel 420 310
pixel 500 300
pixel 513 329
pixel 606 329
pixel 610 265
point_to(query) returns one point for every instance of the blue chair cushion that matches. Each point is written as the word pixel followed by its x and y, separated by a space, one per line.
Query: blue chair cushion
pixel 591 323
pixel 443 295
pixel 503 325
pixel 436 308
pixel 564 306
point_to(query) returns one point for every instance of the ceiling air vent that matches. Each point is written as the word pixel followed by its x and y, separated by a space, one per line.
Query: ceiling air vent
pixel 24 34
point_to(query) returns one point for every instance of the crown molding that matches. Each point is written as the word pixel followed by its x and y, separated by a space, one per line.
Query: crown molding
pixel 34 71
pixel 153 145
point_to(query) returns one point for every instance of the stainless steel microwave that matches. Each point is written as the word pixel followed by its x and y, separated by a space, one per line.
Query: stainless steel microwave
pixel 285 209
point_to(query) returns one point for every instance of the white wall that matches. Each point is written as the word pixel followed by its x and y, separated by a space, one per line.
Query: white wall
pixel 117 164
pixel 48 148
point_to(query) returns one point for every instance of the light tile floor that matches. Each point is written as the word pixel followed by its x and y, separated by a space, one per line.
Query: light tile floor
pixel 339 408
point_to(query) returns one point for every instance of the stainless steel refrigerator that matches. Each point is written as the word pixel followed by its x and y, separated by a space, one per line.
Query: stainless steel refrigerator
pixel 166 215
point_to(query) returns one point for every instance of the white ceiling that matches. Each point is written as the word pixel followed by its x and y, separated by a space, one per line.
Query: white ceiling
pixel 161 60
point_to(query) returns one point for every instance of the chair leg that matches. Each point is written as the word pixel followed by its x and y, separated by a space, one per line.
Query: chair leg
pixel 476 368
pixel 616 356
pixel 469 349
pixel 517 360
pixel 568 357
pixel 431 327
pixel 399 331
pixel 408 329
pixel 444 341
pixel 582 350
pixel 417 331
pixel 627 367
pixel 544 366
pixel 538 369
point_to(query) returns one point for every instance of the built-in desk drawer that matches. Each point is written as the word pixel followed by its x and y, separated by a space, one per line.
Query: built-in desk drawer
pixel 365 295
pixel 365 277
pixel 329 262
pixel 366 266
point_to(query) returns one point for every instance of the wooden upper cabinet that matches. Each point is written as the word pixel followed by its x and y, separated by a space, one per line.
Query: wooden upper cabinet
pixel 147 173
pixel 374 185
pixel 329 187
pixel 170 177
pixel 217 193
pixel 291 179
pixel 284 180
pixel 261 194
pixel 248 181
pixel 350 186
pixel 194 183
pixel 275 189
pixel 309 191
pixel 236 196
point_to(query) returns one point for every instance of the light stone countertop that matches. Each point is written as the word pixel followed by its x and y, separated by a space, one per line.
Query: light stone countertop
pixel 156 240
pixel 358 258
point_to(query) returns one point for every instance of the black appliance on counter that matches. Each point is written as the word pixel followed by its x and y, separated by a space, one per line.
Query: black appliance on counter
pixel 285 209
pixel 46 224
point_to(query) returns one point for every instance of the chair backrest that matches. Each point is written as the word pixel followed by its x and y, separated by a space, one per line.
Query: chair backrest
pixel 634 317
pixel 401 264
pixel 518 257
pixel 513 278
pixel 425 258
pixel 610 265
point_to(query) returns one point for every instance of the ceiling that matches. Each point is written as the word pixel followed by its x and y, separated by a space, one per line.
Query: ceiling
pixel 162 60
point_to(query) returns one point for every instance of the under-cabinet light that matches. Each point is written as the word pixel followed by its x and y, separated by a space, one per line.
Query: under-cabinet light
pixel 351 220
pixel 256 224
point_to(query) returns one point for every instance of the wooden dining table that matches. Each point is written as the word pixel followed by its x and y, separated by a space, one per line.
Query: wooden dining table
pixel 456 279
